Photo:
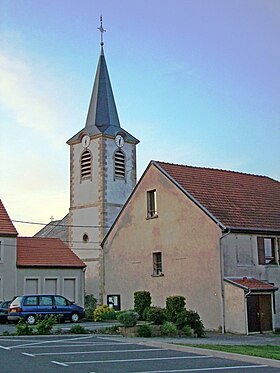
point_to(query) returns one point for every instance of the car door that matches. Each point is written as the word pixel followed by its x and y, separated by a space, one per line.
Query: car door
pixel 45 305
pixel 62 306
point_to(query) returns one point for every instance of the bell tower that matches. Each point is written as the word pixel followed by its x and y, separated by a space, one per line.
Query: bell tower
pixel 102 176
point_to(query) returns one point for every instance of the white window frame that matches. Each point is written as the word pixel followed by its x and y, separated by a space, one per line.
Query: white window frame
pixel 157 265
pixel 152 204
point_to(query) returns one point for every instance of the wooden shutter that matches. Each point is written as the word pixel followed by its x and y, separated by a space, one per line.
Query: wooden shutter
pixel 261 254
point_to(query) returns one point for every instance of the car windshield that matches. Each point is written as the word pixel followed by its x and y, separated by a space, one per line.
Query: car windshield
pixel 16 302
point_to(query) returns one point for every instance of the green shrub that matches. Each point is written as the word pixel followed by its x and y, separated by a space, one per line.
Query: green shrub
pixel 182 319
pixel 6 333
pixel 156 315
pixel 145 313
pixel 194 321
pixel 168 328
pixel 90 305
pixel 142 299
pixel 145 331
pixel 174 305
pixel 104 312
pixel 187 330
pixel 44 325
pixel 78 329
pixel 128 318
pixel 23 328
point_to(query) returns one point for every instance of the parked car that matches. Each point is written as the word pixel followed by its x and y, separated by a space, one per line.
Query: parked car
pixel 4 311
pixel 29 307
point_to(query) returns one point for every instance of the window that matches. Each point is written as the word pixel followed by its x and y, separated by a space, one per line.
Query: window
pixel 1 253
pixel 86 167
pixel 157 264
pixel 266 250
pixel 31 301
pixel 45 301
pixel 114 301
pixel 60 301
pixel 119 164
pixel 151 204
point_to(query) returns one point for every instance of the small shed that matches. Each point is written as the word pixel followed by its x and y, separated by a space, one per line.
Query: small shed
pixel 249 305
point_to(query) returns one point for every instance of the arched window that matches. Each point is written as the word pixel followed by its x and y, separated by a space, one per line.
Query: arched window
pixel 86 167
pixel 119 164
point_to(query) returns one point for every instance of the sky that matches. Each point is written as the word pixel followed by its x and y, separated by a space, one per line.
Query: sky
pixel 196 81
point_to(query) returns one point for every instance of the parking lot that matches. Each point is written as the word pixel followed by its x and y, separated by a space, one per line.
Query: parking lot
pixel 102 354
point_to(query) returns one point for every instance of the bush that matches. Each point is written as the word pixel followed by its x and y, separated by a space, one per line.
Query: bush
pixel 104 312
pixel 187 330
pixel 45 325
pixel 182 320
pixel 195 322
pixel 145 331
pixel 142 299
pixel 174 305
pixel 90 305
pixel 128 318
pixel 78 329
pixel 156 315
pixel 23 328
pixel 168 328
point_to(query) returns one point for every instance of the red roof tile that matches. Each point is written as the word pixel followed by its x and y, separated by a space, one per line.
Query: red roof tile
pixel 251 283
pixel 236 200
pixel 6 225
pixel 45 252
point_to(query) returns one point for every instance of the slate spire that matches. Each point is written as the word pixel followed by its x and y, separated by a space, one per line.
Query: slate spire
pixel 102 108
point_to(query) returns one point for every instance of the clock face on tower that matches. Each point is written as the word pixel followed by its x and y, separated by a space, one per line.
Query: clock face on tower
pixel 119 140
pixel 85 141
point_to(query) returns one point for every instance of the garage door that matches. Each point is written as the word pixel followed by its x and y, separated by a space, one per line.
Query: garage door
pixel 51 286
pixel 31 286
pixel 69 288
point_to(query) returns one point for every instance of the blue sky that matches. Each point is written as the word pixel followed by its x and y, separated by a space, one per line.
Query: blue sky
pixel 196 81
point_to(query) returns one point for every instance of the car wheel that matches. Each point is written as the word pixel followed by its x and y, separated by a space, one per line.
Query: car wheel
pixel 75 317
pixel 31 319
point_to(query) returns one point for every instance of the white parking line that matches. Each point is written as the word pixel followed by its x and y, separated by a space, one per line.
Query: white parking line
pixel 99 352
pixel 48 341
pixel 25 353
pixel 201 369
pixel 5 348
pixel 133 360
pixel 87 344
pixel 63 364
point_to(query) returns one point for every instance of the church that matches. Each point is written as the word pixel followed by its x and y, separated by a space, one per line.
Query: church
pixel 102 176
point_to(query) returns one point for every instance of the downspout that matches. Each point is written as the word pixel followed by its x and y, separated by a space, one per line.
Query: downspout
pixel 222 279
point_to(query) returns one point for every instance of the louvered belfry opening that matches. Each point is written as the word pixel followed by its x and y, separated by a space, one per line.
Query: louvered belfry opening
pixel 119 164
pixel 86 165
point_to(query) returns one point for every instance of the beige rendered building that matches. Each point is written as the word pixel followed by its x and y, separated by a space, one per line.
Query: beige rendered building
pixel 197 232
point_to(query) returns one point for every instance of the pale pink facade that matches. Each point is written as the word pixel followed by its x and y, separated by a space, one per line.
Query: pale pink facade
pixel 187 239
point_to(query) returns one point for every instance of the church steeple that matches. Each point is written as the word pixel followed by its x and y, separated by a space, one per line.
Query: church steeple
pixel 102 108
pixel 102 116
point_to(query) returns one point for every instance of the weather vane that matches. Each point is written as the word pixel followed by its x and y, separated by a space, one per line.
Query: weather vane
pixel 101 29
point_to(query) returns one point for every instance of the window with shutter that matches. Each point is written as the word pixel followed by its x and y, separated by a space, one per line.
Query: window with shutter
pixel 266 250
pixel 119 164
pixel 86 165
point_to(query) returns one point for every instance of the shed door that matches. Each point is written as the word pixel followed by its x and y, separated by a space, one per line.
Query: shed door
pixel 69 289
pixel 31 286
pixel 259 313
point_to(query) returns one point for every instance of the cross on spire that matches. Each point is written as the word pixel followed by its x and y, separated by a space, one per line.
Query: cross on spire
pixel 101 29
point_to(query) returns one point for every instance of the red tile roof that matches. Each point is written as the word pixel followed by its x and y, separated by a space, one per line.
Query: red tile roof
pixel 45 252
pixel 236 200
pixel 251 283
pixel 6 225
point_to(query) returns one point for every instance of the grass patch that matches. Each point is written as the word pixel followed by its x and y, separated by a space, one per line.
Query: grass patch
pixel 266 351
